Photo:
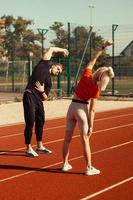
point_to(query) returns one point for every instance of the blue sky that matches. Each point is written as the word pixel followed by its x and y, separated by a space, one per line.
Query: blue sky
pixel 45 12
pixel 104 13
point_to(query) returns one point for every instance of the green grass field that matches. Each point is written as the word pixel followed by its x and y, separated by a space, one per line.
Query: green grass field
pixel 122 86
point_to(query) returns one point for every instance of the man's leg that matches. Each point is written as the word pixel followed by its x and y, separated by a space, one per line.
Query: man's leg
pixel 39 123
pixel 29 115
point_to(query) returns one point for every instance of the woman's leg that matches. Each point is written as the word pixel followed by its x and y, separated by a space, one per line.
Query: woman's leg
pixel 70 125
pixel 66 144
pixel 86 149
pixel 83 122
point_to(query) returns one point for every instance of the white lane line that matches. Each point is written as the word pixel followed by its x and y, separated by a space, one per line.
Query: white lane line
pixel 18 134
pixel 11 135
pixel 29 172
pixel 113 117
pixel 59 163
pixel 108 188
pixel 62 126
pixel 115 127
pixel 60 140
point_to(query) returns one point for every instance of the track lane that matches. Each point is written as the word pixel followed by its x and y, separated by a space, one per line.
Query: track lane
pixel 73 185
pixel 74 180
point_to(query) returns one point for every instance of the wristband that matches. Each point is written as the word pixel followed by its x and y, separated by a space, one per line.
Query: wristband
pixel 103 47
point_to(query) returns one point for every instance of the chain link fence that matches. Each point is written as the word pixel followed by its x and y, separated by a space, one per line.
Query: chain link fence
pixel 14 75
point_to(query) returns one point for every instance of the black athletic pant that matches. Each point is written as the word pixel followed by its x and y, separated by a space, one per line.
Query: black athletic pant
pixel 34 114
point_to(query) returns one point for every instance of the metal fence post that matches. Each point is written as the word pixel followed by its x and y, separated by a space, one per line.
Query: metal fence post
pixel 30 64
pixel 68 65
pixel 114 27
pixel 42 32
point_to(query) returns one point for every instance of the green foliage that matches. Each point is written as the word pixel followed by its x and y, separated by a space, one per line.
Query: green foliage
pixel 19 39
pixel 61 39
pixel 78 39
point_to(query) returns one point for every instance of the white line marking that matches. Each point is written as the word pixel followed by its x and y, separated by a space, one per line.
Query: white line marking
pixel 60 140
pixel 29 172
pixel 62 126
pixel 115 127
pixel 12 135
pixel 108 188
pixel 117 116
pixel 59 163
pixel 19 134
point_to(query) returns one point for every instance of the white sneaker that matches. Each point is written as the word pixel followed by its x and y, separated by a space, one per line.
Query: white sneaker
pixel 43 150
pixel 31 153
pixel 66 167
pixel 91 171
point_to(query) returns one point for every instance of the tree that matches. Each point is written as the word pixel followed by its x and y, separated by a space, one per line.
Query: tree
pixel 19 39
pixel 78 40
pixel 61 39
pixel 2 26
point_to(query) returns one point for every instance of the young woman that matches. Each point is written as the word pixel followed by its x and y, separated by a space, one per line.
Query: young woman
pixel 88 89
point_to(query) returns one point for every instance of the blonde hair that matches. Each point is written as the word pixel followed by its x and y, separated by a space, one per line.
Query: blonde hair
pixel 103 75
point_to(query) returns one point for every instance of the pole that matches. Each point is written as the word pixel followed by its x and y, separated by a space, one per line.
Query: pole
pixel 114 27
pixel 30 64
pixel 90 46
pixel 11 31
pixel 91 7
pixel 42 32
pixel 12 55
pixel 79 67
pixel 68 65
pixel 13 89
pixel 59 81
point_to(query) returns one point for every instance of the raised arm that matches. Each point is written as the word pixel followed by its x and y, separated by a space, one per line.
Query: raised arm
pixel 98 53
pixel 52 50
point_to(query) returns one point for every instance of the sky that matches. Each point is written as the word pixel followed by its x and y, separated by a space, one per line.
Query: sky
pixel 45 12
pixel 82 12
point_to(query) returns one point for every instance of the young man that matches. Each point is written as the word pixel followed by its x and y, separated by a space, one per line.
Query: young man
pixel 36 91
pixel 88 89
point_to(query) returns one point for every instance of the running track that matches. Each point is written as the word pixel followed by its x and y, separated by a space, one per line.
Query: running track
pixel 23 178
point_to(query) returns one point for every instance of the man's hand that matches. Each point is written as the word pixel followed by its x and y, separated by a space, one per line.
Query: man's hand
pixel 66 52
pixel 39 87
pixel 55 51
pixel 63 52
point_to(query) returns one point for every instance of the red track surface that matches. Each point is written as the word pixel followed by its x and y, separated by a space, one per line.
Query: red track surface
pixel 23 178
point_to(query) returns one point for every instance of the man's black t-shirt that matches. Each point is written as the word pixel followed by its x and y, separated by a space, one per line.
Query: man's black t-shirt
pixel 40 73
